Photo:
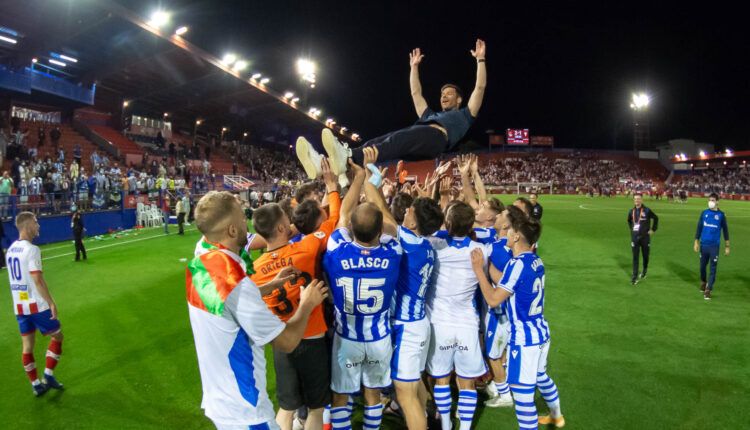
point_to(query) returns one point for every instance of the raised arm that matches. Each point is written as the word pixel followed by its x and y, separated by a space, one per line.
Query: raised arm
pixel 352 196
pixel 478 182
pixel 420 104
pixel 373 194
pixel 464 167
pixel 475 101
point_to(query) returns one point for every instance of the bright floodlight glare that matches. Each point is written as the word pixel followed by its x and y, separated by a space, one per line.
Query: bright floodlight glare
pixel 182 30
pixel 728 152
pixel 640 101
pixel 265 81
pixel 240 65
pixel 125 103
pixel 8 39
pixel 223 129
pixel 244 134
pixel 228 59
pixel 256 76
pixel 34 60
pixel 288 95
pixel 159 18
pixel 702 153
pixel 306 67
pixel 197 122
pixel 58 63
pixel 67 58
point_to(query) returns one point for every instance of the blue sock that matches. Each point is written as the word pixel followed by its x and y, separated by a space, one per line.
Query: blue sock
pixel 467 404
pixel 341 418
pixel 373 416
pixel 549 392
pixel 523 395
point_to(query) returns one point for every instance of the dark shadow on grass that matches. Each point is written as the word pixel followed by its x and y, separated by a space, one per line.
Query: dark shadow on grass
pixel 683 272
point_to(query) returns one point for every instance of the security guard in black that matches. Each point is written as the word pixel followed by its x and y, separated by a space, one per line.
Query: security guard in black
pixel 642 222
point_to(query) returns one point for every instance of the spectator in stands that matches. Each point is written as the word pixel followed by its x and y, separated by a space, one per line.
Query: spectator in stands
pixel 171 150
pixel 4 141
pixel 15 169
pixel 6 185
pixel 160 140
pixel 55 135
pixel 74 171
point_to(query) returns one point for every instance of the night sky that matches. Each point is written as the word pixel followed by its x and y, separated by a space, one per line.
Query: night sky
pixel 562 71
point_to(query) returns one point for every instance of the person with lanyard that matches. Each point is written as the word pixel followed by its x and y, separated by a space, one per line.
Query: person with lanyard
pixel 641 229
pixel 707 240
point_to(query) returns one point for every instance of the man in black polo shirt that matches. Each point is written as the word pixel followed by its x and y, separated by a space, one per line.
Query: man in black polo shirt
pixel 536 208
pixel 433 134
pixel 641 229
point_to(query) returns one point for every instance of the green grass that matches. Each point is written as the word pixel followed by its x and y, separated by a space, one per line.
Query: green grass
pixel 653 356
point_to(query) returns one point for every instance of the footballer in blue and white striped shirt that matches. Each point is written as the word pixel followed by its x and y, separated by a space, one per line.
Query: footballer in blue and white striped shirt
pixel 522 286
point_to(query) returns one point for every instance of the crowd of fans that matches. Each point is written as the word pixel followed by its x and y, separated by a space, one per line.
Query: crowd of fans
pixel 575 173
pixel 728 180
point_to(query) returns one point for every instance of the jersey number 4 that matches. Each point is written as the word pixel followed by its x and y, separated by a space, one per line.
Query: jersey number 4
pixel 367 296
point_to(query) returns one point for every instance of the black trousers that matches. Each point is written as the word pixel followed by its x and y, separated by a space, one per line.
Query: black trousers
pixel 180 222
pixel 418 142
pixel 80 249
pixel 640 245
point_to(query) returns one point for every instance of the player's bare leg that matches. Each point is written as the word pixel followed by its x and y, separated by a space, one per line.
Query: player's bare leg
pixel 314 419
pixel 408 394
pixel 503 397
pixel 285 419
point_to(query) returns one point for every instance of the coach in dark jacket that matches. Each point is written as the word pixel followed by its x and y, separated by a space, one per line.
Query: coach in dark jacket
pixel 77 224
pixel 641 228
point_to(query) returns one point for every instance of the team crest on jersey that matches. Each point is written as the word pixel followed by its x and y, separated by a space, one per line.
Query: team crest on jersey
pixel 319 234
pixel 365 252
pixel 716 217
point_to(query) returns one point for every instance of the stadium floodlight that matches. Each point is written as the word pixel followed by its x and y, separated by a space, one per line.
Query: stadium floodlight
pixel 34 60
pixel 244 134
pixel 57 63
pixel 295 100
pixel 166 114
pixel 312 85
pixel 125 103
pixel 8 39
pixel 159 18
pixel 640 101
pixel 255 76
pixel 68 58
pixel 288 95
pixel 240 65
pixel 306 67
pixel 728 152
pixel 228 59
pixel 702 153
pixel 265 81
pixel 223 129
pixel 198 122
pixel 182 30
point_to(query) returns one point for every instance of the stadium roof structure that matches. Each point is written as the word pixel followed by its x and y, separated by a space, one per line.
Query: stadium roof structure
pixel 155 71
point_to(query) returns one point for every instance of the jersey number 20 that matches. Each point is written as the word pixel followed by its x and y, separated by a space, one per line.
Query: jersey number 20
pixel 369 297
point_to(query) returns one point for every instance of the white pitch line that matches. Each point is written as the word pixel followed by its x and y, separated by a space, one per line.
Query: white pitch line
pixel 108 246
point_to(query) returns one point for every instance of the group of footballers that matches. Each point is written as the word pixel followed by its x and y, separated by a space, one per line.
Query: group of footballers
pixel 358 297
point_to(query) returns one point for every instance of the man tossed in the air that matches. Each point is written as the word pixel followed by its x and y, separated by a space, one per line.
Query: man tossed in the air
pixel 433 134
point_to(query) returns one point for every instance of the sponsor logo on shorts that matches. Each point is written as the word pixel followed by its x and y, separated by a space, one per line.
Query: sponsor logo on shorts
pixel 455 345
pixel 352 365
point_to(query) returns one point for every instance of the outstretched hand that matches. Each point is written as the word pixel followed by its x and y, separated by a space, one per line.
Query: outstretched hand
pixel 415 57
pixel 479 50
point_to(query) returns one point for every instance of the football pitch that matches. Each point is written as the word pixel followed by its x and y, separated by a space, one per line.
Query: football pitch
pixel 651 356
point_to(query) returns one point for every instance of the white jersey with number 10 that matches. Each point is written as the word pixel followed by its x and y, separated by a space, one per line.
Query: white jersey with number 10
pixel 24 258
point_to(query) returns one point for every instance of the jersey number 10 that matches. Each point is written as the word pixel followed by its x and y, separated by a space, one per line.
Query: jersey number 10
pixel 368 297
pixel 14 265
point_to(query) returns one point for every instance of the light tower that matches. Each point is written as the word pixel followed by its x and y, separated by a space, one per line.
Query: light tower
pixel 641 134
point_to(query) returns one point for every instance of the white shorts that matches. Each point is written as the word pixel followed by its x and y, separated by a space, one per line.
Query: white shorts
pixel 455 348
pixel 356 364
pixel 410 346
pixel 496 335
pixel 524 362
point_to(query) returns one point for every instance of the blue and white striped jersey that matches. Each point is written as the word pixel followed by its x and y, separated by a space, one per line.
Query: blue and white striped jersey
pixel 362 281
pixel 524 279
pixel 501 254
pixel 485 235
pixel 415 276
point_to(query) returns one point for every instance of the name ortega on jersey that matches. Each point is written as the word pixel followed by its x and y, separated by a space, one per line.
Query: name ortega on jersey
pixel 365 263
pixel 275 265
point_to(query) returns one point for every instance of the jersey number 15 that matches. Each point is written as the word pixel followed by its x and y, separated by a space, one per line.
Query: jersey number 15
pixel 367 296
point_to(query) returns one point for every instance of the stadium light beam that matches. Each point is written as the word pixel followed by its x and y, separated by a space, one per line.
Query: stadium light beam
pixel 640 101
pixel 306 67
pixel 8 39
pixel 240 65
pixel 265 81
pixel 57 63
pixel 228 59
pixel 159 19
pixel 67 58
pixel 182 30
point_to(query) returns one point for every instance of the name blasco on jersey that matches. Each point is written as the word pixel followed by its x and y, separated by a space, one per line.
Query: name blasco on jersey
pixel 365 263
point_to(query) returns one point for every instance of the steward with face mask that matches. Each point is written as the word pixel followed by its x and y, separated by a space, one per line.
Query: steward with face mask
pixel 707 240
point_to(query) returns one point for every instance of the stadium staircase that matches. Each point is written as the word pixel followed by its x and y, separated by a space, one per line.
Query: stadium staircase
pixel 69 138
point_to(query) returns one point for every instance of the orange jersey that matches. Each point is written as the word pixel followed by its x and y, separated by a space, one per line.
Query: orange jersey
pixel 305 257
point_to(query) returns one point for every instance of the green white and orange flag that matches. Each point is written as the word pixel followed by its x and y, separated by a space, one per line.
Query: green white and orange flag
pixel 244 255
pixel 210 278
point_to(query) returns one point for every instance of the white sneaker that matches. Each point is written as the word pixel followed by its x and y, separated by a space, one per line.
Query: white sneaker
pixel 500 401
pixel 308 157
pixel 338 153
pixel 343 180
pixel 491 389
pixel 297 424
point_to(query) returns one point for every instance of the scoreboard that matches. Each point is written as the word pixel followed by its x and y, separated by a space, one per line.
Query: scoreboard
pixel 517 136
